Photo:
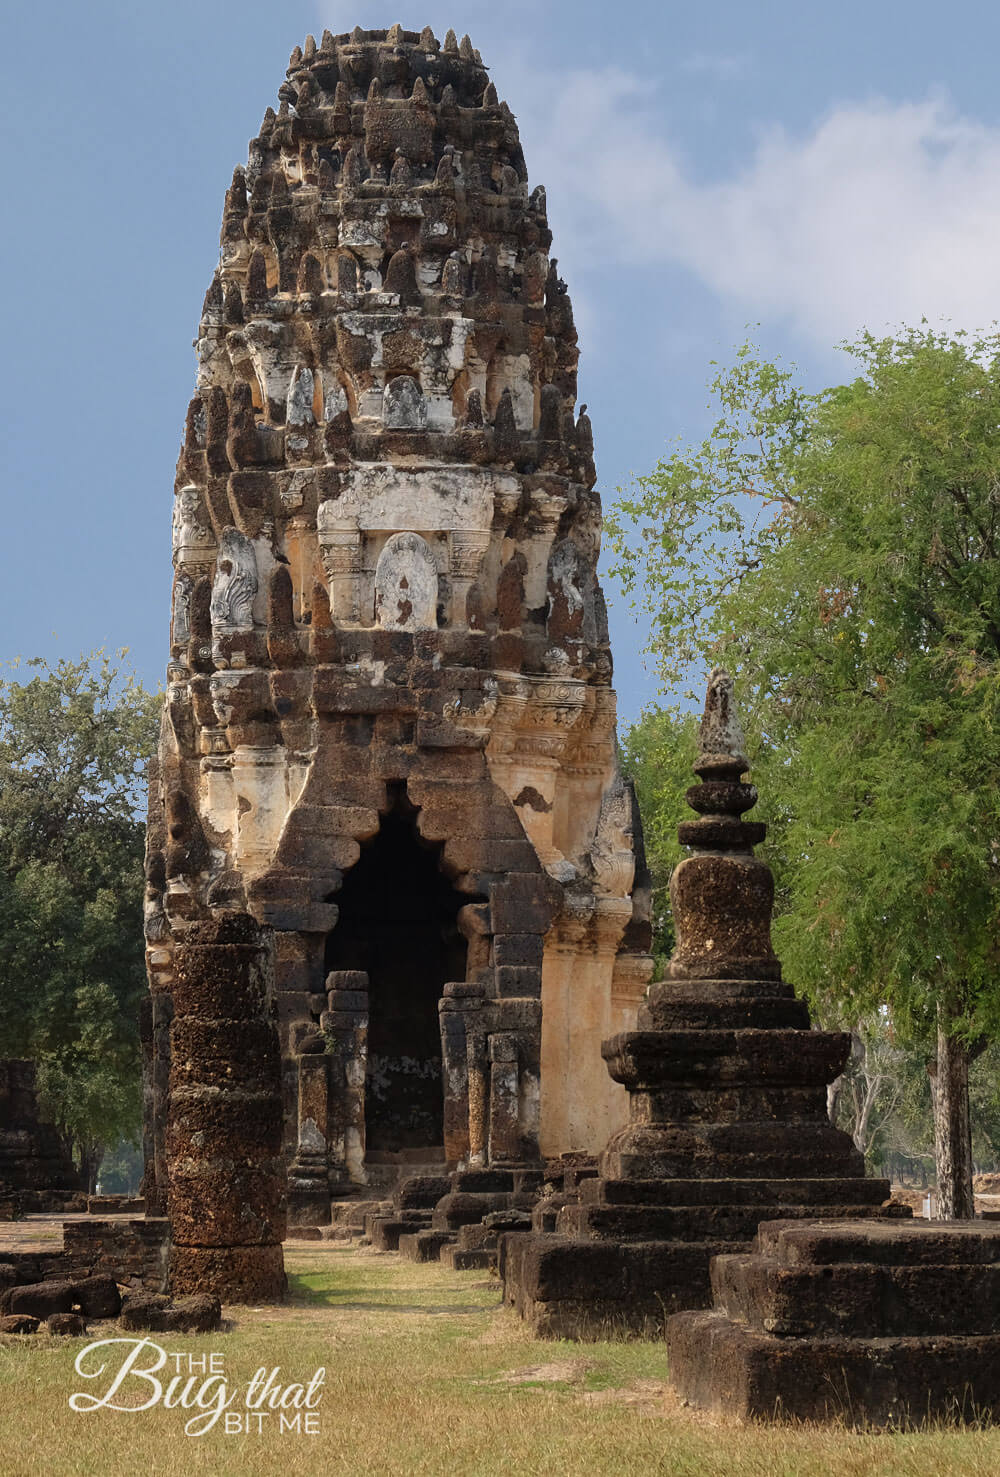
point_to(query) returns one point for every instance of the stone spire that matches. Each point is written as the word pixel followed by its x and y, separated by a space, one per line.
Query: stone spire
pixel 727 1092
pixel 388 643
pixel 722 895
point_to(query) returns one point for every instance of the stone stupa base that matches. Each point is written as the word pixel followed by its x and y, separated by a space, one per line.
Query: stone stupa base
pixel 871 1323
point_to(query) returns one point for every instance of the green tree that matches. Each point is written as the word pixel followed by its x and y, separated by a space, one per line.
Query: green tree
pixel 842 551
pixel 74 739
pixel 657 753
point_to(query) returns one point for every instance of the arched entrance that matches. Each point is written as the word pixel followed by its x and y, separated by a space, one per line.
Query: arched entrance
pixel 397 923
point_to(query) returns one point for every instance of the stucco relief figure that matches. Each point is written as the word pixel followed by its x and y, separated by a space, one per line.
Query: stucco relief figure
pixel 181 614
pixel 191 531
pixel 235 583
pixel 403 405
pixel 406 585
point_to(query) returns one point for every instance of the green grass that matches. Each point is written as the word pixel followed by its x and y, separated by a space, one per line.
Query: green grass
pixel 427 1374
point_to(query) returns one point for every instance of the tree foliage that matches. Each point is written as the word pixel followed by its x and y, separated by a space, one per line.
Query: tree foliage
pixel 657 754
pixel 841 551
pixel 74 739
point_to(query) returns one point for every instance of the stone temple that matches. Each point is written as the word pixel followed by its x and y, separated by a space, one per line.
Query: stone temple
pixel 387 782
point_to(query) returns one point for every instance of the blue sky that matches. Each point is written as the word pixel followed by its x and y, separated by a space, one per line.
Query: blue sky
pixel 811 169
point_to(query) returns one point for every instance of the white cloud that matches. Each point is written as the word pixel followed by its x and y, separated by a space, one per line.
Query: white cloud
pixel 880 214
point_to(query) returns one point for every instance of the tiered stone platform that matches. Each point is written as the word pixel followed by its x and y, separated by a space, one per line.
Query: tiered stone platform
pixel 870 1322
pixel 727 1096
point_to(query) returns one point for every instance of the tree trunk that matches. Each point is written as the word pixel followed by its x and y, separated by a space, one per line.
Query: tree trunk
pixel 952 1128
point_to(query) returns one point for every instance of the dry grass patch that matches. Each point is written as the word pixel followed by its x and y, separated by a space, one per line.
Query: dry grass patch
pixel 427 1374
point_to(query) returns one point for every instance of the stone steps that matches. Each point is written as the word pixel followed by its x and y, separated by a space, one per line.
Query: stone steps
pixel 460 1260
pixel 424 1246
pixel 879 1323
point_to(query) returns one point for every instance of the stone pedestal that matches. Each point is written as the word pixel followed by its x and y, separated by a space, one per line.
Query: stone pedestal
pixel 728 1120
pixel 224 1124
pixel 872 1323
pixel 33 1162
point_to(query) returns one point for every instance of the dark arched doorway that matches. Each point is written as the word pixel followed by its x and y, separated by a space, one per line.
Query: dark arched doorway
pixel 397 923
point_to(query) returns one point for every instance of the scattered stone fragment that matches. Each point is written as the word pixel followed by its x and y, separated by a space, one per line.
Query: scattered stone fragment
pixel 18 1323
pixel 70 1325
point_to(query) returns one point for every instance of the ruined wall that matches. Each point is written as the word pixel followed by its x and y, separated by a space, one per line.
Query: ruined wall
pixel 385 542
pixel 31 1155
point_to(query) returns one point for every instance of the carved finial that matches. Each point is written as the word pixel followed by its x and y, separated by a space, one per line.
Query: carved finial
pixel 341 96
pixel 453 276
pixel 419 93
pixel 357 36
pixel 309 51
pixel 428 40
pixel 445 171
pixel 238 190
pixel 465 50
pixel 721 894
pixel 450 43
pixel 448 98
pixel 269 119
pixel 474 409
pixel 213 297
pixel 347 273
pixel 401 175
pixel 327 44
pixel 352 167
pixel 537 200
pixel 295 60
pixel 232 310
pixel 310 275
pixel 283 108
pixel 257 278
pixel 401 277
pixel 584 433
pixel 721 745
pixel 505 438
pixel 394 35
pixel 325 176
pixel 550 414
pixel 490 96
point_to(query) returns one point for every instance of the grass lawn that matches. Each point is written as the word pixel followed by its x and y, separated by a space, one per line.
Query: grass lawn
pixel 425 1373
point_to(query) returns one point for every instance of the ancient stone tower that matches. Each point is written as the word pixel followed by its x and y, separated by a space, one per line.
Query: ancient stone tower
pixel 390 727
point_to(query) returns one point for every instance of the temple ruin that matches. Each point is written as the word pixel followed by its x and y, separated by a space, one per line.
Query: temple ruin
pixel 36 1171
pixel 388 750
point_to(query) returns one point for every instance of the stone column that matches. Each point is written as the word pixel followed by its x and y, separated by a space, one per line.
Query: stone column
pixel 454 1073
pixel 308 1180
pixel 476 1057
pixel 468 548
pixel 505 1137
pixel 224 1124
pixel 340 550
pixel 345 1027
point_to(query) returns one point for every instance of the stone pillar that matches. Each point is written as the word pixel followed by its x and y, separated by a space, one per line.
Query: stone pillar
pixel 468 548
pixel 227 1180
pixel 505 1137
pixel 340 549
pixel 454 1073
pixel 308 1180
pixel 478 1094
pixel 345 1027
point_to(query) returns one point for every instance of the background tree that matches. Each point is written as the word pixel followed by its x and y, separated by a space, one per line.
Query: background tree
pixel 840 551
pixel 657 754
pixel 74 739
